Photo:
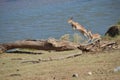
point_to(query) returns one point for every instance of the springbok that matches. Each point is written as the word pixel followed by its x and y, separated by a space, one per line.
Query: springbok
pixel 94 37
pixel 77 26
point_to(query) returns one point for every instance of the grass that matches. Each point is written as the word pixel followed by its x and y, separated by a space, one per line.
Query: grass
pixel 115 39
pixel 76 38
pixel 101 65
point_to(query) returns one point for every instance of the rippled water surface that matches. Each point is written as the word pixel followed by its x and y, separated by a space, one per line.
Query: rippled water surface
pixel 41 19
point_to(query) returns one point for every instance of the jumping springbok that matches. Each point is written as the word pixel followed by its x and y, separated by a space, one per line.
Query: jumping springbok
pixel 77 26
pixel 94 37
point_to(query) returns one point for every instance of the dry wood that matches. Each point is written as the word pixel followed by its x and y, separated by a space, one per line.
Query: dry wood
pixel 50 44
pixel 54 59
pixel 57 45
pixel 98 46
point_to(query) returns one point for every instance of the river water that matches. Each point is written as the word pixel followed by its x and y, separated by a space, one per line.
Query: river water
pixel 41 19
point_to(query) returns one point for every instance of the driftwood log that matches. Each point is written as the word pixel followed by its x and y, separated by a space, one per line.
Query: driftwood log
pixel 57 45
pixel 50 44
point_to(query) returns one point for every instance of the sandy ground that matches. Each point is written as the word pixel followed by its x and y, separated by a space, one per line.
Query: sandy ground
pixel 88 66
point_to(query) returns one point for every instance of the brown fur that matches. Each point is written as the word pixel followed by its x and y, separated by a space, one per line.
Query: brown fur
pixel 94 36
pixel 77 26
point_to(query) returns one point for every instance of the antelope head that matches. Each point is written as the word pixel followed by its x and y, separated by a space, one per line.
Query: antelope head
pixel 70 21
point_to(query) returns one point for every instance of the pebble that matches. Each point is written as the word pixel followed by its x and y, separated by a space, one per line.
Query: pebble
pixel 117 69
pixel 15 75
pixel 17 70
pixel 75 75
pixel 89 73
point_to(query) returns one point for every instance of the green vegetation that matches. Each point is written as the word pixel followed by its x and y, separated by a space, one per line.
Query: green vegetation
pixel 118 23
pixel 115 29
pixel 116 38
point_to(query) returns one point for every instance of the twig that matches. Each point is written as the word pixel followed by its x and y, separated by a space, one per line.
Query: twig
pixel 54 59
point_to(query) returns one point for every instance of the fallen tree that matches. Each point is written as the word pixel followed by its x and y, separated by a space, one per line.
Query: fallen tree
pixel 58 45
pixel 99 46
pixel 50 44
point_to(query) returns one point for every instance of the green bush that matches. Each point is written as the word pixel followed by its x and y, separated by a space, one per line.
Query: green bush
pixel 118 23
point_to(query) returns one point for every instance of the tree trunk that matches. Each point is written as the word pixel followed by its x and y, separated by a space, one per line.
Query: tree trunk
pixel 50 44
pixel 58 45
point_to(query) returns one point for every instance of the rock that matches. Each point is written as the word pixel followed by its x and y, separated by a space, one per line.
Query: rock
pixel 15 75
pixel 53 78
pixel 113 31
pixel 117 69
pixel 3 63
pixel 75 75
pixel 90 73
pixel 17 70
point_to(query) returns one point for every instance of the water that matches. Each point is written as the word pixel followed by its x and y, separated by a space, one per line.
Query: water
pixel 41 19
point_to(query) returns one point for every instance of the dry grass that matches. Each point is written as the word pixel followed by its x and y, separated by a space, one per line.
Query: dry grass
pixel 108 38
pixel 101 65
pixel 76 38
